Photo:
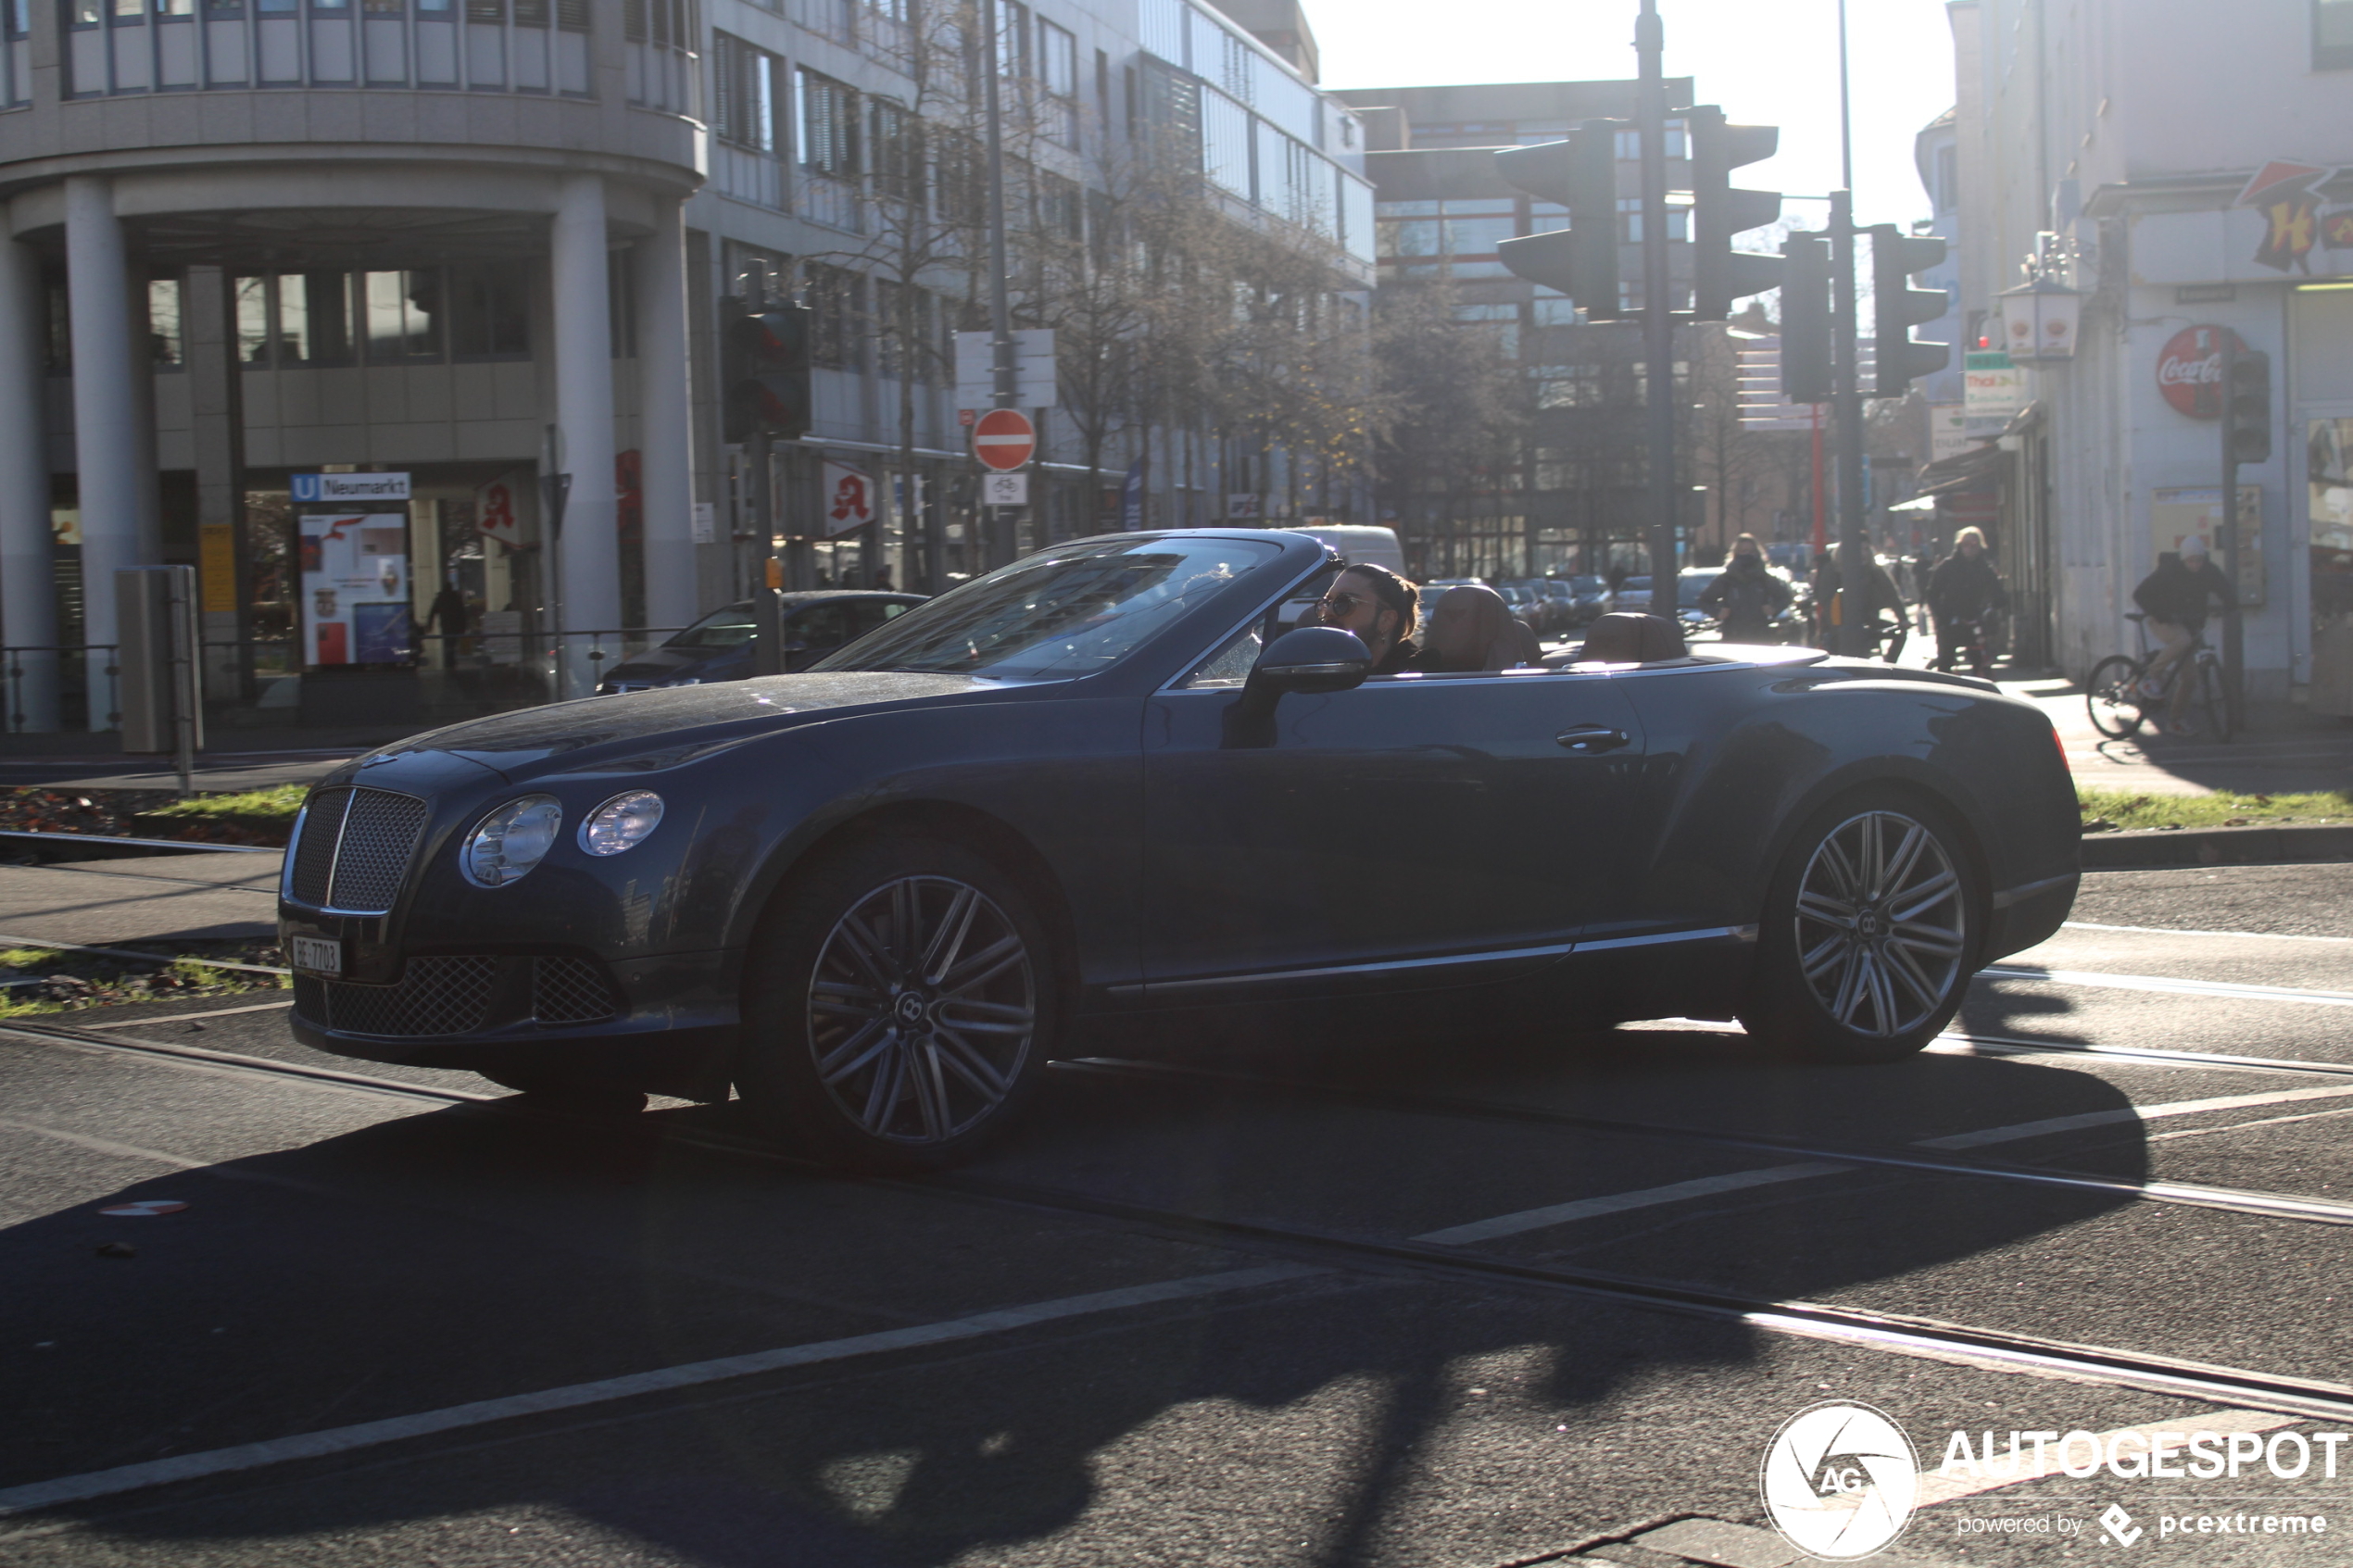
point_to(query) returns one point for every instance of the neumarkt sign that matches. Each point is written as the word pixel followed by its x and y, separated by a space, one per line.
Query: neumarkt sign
pixel 337 488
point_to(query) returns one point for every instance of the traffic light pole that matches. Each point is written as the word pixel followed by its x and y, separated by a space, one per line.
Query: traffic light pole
pixel 2227 540
pixel 1847 408
pixel 1658 321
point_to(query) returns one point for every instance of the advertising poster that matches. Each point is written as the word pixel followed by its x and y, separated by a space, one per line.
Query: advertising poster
pixel 355 588
pixel 2176 514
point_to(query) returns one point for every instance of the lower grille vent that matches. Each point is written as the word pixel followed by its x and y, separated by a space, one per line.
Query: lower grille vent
pixel 462 994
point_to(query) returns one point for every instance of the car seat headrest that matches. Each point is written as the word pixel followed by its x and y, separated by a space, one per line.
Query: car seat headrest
pixel 1622 637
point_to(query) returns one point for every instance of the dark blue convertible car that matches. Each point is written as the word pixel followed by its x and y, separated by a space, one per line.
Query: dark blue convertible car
pixel 1100 786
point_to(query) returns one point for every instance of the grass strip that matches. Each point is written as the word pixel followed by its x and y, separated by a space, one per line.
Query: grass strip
pixel 2111 810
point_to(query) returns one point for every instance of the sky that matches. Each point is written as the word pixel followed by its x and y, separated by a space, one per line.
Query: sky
pixel 1768 62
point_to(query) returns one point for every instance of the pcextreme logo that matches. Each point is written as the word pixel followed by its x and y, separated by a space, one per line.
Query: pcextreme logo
pixel 1840 1480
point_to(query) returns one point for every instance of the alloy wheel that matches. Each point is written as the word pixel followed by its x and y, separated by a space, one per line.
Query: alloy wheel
pixel 921 1010
pixel 1882 925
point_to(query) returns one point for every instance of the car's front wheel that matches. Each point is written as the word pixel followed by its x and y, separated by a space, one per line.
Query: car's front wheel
pixel 1869 933
pixel 897 1007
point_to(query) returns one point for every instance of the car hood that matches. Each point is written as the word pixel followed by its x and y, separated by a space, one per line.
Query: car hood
pixel 645 732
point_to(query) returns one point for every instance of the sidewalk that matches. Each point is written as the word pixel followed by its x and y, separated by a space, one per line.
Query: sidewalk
pixel 2287 752
pixel 216 771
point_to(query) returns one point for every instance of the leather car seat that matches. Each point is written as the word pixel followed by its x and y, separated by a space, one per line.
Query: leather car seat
pixel 1622 637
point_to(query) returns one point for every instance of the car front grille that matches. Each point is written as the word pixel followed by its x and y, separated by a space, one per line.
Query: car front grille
pixel 460 994
pixel 355 848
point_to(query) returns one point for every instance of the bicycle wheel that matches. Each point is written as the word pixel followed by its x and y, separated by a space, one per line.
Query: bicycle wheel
pixel 2211 707
pixel 2113 696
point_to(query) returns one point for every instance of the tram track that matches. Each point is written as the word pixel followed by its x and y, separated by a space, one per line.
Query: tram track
pixel 1895 1333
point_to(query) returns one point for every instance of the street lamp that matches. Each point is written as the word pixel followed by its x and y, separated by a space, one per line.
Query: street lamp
pixel 2039 320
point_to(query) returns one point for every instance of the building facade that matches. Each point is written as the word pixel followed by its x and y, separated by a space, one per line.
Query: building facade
pixel 494 245
pixel 2176 169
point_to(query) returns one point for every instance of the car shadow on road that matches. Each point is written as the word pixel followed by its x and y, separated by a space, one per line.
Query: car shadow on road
pixel 451 1256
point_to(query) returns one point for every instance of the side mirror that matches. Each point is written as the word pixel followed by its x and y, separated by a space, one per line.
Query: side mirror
pixel 1313 658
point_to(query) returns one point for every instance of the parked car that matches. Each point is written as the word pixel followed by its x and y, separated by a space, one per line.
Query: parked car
pixel 1096 785
pixel 1591 597
pixel 720 647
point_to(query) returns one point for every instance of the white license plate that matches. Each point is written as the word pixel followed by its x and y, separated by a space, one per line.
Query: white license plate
pixel 320 955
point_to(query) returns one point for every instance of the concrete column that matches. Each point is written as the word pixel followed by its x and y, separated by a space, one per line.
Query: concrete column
pixel 28 579
pixel 112 421
pixel 666 473
pixel 591 546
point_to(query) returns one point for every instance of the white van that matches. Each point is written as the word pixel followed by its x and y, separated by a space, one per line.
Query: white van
pixel 1361 543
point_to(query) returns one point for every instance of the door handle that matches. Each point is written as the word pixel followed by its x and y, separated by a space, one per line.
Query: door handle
pixel 1591 738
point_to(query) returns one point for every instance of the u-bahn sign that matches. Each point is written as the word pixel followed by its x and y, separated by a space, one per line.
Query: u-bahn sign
pixel 1004 439
pixel 341 489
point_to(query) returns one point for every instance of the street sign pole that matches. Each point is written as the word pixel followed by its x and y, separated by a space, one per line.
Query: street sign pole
pixel 1658 323
pixel 1847 407
pixel 1000 320
pixel 2226 540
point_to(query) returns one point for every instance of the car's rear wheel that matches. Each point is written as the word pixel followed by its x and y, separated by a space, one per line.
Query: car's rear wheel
pixel 1870 932
pixel 2112 694
pixel 898 1006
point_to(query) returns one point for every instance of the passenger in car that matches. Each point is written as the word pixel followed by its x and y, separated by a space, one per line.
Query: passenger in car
pixel 1380 607
pixel 1471 629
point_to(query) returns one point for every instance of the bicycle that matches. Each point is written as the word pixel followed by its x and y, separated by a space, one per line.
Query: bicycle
pixel 2120 707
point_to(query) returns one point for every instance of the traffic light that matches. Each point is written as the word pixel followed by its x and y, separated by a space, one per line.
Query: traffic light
pixel 1897 308
pixel 765 366
pixel 1805 319
pixel 1581 175
pixel 2246 407
pixel 1719 273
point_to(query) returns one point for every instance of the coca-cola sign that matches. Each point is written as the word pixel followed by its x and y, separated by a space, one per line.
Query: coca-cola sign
pixel 2189 369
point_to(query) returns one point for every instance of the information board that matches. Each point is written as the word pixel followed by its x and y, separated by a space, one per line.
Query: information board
pixel 355 588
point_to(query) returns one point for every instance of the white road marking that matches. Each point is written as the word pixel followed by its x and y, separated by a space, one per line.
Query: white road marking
pixel 662 1380
pixel 1936 1487
pixel 1615 1203
pixel 2173 931
pixel 1772 1175
pixel 2243 1126
pixel 2165 983
pixel 2126 1113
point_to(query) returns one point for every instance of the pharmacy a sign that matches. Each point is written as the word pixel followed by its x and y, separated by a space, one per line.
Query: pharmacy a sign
pixel 341 489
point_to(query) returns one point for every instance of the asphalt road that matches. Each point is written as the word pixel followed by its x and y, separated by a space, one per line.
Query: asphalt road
pixel 1416 1295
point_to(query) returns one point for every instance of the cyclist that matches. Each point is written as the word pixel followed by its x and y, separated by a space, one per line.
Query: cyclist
pixel 1961 591
pixel 2175 597
pixel 1876 591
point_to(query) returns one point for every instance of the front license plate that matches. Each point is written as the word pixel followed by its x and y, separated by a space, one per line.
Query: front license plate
pixel 320 955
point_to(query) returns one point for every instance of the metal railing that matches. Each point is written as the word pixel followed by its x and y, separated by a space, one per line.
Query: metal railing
pixel 261 682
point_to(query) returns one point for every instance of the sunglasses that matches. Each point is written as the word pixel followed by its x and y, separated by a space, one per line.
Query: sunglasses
pixel 1343 604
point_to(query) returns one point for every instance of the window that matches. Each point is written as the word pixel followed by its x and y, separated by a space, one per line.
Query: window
pixel 1058 71
pixel 1059 212
pixel 489 310
pixel 896 152
pixel 828 127
pixel 313 316
pixel 2332 34
pixel 1013 39
pixel 1569 386
pixel 1948 179
pixel 836 294
pixel 402 311
pixel 1630 214
pixel 743 94
pixel 163 322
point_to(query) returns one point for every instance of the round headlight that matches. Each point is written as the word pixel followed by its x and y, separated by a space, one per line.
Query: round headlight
pixel 622 822
pixel 507 844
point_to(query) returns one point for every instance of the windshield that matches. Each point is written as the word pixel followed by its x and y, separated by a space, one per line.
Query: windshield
pixel 1058 614
pixel 726 628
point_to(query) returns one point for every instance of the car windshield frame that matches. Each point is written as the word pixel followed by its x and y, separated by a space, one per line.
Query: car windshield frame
pixel 1098 613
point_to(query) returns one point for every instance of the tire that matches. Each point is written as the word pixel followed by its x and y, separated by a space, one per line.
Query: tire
pixel 898 1006
pixel 2112 698
pixel 1870 932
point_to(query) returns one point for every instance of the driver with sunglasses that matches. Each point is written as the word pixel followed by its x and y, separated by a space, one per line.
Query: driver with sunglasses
pixel 1380 607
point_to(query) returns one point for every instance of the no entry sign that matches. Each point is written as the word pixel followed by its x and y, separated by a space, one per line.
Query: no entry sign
pixel 1004 439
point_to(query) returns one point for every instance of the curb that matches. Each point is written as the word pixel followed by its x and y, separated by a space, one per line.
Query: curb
pixel 2155 848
